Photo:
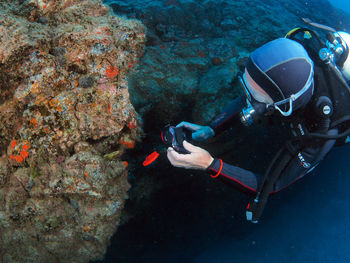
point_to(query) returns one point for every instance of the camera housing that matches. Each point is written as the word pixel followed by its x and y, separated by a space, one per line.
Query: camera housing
pixel 174 137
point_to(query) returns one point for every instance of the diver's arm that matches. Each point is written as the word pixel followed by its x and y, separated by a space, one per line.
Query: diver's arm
pixel 294 169
pixel 240 178
pixel 199 158
pixel 229 116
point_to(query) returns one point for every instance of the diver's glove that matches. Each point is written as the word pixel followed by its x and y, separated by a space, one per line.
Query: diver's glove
pixel 199 133
pixel 197 158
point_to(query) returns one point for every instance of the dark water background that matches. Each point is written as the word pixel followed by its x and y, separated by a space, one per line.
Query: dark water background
pixel 308 222
pixel 193 219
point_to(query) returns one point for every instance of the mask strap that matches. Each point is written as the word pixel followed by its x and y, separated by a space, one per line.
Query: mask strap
pixel 284 113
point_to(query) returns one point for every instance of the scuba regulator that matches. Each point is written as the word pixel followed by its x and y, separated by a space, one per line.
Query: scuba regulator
pixel 335 51
pixel 254 109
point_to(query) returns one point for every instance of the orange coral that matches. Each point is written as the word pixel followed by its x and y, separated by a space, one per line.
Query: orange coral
pixel 17 158
pixel 26 147
pixel 34 122
pixel 131 125
pixel 53 103
pixel 13 144
pixel 128 144
pixel 23 155
pixel 112 72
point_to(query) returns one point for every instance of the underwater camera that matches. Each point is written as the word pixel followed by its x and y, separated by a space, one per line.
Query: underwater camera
pixel 174 137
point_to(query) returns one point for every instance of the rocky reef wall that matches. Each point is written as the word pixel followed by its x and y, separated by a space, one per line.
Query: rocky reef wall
pixel 66 120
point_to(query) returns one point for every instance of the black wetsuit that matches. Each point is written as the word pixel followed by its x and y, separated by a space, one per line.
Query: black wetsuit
pixel 297 164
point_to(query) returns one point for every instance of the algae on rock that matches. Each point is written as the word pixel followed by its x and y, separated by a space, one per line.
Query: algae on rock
pixel 64 105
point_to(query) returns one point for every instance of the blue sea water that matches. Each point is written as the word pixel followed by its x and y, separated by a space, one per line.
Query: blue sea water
pixel 308 224
pixel 341 4
pixel 184 222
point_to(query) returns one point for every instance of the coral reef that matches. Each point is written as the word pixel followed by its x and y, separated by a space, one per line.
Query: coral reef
pixel 65 122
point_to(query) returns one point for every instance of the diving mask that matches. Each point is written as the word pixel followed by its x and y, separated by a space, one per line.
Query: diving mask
pixel 255 109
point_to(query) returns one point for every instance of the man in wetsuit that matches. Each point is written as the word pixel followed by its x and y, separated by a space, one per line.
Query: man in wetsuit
pixel 281 81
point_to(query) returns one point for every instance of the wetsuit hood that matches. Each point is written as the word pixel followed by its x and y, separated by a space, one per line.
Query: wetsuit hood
pixel 283 69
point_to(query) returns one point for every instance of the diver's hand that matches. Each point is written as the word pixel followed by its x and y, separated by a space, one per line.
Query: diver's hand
pixel 200 133
pixel 198 158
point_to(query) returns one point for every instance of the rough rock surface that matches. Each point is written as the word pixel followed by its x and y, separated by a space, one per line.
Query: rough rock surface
pixel 192 42
pixel 65 121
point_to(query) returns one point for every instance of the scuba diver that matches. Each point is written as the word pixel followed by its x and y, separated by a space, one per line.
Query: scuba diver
pixel 299 79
